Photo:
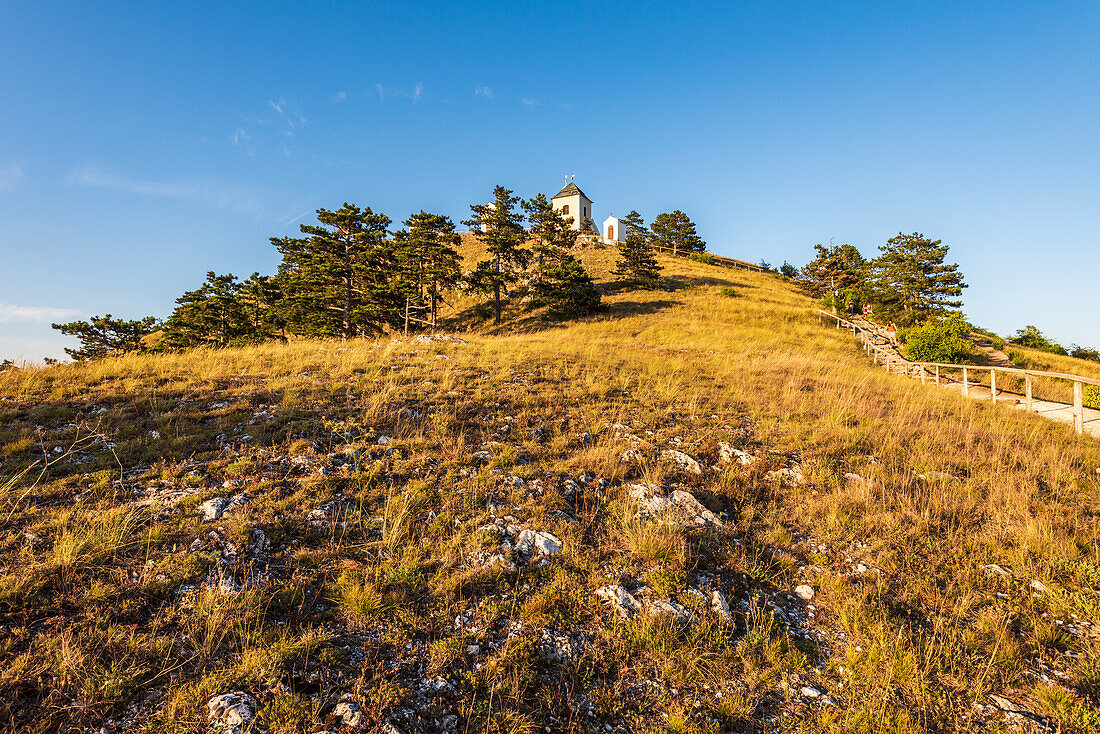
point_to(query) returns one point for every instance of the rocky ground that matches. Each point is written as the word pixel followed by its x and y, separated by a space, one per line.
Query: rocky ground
pixel 442 535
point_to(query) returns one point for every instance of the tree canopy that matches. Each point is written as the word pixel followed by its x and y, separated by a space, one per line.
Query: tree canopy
pixel 337 281
pixel 676 232
pixel 499 227
pixel 911 279
pixel 102 336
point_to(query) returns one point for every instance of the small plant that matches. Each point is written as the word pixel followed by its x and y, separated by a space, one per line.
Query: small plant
pixel 728 292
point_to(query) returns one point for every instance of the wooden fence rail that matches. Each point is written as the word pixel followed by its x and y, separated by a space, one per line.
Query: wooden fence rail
pixel 873 341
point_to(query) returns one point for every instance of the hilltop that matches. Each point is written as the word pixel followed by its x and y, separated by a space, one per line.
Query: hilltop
pixel 700 510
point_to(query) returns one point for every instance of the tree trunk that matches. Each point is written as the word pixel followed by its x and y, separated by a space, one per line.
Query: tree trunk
pixel 347 292
pixel 496 289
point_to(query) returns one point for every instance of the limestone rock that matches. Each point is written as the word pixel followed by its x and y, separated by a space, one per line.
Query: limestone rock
pixel 348 713
pixel 680 505
pixel 728 453
pixel 682 461
pixel 213 508
pixel 673 609
pixel 531 541
pixel 620 600
pixel 804 591
pixel 789 477
pixel 720 606
pixel 232 713
pixel 557 648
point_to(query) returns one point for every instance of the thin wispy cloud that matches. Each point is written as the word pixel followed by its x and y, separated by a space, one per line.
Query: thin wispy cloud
pixel 531 102
pixel 239 199
pixel 279 120
pixel 413 95
pixel 11 175
pixel 288 114
pixel 483 92
pixel 292 220
pixel 10 313
pixel 338 97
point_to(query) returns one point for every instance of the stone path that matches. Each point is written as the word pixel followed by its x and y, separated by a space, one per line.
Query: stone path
pixel 996 357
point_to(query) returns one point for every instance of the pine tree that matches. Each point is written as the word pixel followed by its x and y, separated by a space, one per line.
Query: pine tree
pixel 499 227
pixel 428 261
pixel 636 225
pixel 835 270
pixel 102 336
pixel 552 232
pixel 637 259
pixel 911 280
pixel 565 288
pixel 338 281
pixel 676 232
pixel 224 312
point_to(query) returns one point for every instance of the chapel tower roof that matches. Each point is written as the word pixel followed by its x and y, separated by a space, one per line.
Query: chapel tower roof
pixel 571 189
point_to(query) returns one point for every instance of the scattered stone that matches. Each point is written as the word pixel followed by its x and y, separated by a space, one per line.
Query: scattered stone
pixel 555 648
pixel 348 713
pixel 1039 586
pixel 383 440
pixel 530 541
pixel 232 712
pixel 493 561
pixel 440 338
pixel 259 542
pixel 482 457
pixel 804 592
pixel 994 570
pixel 213 508
pixel 789 477
pixel 631 456
pixel 810 692
pixel 620 600
pixel 728 453
pixel 938 476
pixel 864 483
pixel 674 609
pixel 720 606
pixel 682 461
pixel 681 505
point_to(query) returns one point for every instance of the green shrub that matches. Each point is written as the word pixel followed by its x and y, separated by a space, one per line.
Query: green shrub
pixel 1092 396
pixel 701 257
pixel 729 292
pixel 938 340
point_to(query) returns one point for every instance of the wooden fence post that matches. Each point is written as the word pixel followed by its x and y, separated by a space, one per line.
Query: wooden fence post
pixel 993 384
pixel 966 384
pixel 923 373
pixel 937 374
pixel 1078 408
pixel 1027 391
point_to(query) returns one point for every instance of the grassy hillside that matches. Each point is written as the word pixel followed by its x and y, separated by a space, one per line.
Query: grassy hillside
pixel 369 546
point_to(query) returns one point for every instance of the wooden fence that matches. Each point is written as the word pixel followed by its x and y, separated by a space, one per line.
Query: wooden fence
pixel 720 260
pixel 873 341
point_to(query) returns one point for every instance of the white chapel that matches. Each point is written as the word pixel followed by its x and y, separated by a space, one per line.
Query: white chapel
pixel 572 202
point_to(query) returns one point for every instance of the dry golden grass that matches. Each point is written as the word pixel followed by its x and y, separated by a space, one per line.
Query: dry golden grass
pixel 913 639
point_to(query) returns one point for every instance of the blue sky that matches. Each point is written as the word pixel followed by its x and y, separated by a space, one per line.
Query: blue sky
pixel 142 144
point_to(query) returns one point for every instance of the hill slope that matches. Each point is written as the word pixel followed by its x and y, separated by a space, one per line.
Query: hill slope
pixel 539 528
